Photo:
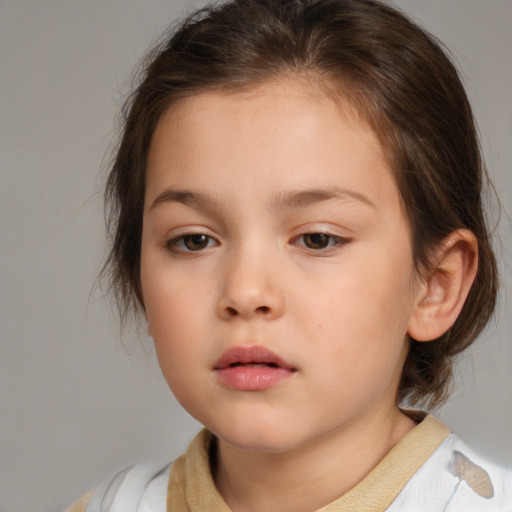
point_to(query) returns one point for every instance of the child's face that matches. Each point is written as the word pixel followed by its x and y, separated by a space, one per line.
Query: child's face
pixel 272 220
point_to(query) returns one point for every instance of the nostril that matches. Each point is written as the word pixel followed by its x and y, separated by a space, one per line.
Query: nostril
pixel 263 309
pixel 231 311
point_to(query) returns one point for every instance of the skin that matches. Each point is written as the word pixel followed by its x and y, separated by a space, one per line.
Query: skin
pixel 339 314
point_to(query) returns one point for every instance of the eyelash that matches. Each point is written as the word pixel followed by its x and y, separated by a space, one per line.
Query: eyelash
pixel 173 244
pixel 333 241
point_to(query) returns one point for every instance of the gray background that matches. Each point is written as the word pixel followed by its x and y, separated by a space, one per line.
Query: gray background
pixel 76 400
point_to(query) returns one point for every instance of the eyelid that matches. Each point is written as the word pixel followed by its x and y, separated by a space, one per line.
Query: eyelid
pixel 339 241
pixel 171 242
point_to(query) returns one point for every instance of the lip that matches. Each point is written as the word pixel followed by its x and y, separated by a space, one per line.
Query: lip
pixel 253 368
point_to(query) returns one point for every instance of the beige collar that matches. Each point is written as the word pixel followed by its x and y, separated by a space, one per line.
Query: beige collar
pixel 191 487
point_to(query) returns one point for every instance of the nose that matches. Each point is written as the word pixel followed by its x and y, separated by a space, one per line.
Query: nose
pixel 251 288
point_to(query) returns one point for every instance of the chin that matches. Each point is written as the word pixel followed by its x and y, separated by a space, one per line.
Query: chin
pixel 259 442
pixel 263 435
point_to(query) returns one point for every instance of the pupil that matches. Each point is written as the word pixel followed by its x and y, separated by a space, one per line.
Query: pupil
pixel 317 240
pixel 195 242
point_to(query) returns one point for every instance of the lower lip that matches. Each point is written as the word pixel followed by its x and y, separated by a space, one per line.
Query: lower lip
pixel 253 378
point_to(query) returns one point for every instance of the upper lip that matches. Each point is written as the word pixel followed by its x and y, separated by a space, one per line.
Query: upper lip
pixel 252 354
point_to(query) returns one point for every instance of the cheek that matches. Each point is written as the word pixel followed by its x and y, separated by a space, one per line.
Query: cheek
pixel 172 313
pixel 360 319
pixel 175 327
pixel 364 301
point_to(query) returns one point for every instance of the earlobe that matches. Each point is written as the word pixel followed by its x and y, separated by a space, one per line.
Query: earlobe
pixel 145 318
pixel 148 324
pixel 442 295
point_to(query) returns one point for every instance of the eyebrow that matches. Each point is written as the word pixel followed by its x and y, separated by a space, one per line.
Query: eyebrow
pixel 284 200
pixel 188 198
pixel 303 198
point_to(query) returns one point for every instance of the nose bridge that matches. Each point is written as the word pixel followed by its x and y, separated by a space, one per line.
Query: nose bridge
pixel 250 283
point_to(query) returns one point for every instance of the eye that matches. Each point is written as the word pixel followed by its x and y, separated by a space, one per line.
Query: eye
pixel 318 241
pixel 191 243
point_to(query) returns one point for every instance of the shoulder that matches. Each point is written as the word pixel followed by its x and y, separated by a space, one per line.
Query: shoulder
pixel 141 488
pixel 456 478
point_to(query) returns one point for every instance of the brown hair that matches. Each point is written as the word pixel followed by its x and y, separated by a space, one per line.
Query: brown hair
pixel 401 83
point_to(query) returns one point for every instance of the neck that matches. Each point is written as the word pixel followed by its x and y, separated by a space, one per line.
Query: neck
pixel 308 477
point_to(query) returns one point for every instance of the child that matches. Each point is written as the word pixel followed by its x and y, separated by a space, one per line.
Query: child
pixel 296 209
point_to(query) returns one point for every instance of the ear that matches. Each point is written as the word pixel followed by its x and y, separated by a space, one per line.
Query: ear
pixel 148 324
pixel 142 308
pixel 442 295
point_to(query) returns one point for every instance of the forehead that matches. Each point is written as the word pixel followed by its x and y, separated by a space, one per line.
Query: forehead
pixel 284 98
pixel 285 132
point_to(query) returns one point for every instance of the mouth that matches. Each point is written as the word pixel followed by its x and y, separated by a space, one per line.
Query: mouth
pixel 252 368
pixel 253 365
pixel 253 356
